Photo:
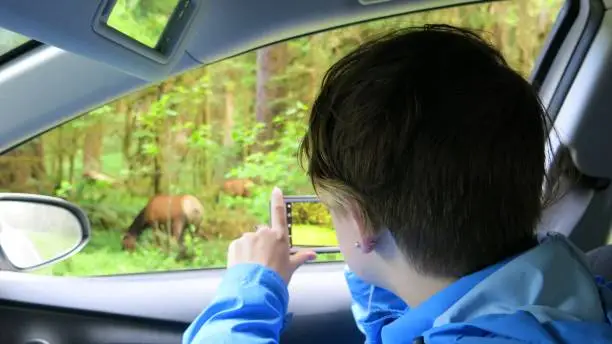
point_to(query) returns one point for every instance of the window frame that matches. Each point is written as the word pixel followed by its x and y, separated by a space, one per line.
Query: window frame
pixel 562 55
pixel 19 51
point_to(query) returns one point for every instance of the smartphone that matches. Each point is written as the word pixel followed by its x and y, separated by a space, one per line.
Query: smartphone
pixel 310 225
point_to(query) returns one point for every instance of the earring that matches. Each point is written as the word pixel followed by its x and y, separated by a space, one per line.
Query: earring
pixel 357 244
pixel 371 244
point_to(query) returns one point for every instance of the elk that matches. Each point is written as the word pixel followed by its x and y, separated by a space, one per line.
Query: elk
pixel 238 187
pixel 175 213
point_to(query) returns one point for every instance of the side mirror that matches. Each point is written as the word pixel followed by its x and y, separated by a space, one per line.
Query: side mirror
pixel 36 231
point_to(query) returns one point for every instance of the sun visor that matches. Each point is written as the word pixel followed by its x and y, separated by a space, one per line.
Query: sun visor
pixel 144 42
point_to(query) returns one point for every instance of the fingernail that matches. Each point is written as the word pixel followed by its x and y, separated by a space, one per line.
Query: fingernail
pixel 277 191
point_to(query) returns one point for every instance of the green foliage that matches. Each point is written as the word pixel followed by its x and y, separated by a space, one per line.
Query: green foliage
pixel 274 167
pixel 311 214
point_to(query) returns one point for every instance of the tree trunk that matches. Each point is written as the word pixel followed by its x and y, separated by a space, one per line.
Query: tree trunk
pixel 22 169
pixel 207 120
pixel 157 171
pixel 270 93
pixel 92 146
pixel 71 162
pixel 228 120
pixel 262 93
pixel 158 163
pixel 39 171
pixel 128 124
pixel 59 173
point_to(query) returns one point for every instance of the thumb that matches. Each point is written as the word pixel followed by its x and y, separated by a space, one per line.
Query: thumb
pixel 301 257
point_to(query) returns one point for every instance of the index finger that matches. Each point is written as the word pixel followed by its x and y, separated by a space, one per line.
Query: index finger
pixel 278 215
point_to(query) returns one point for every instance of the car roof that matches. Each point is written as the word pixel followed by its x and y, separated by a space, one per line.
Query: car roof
pixel 217 30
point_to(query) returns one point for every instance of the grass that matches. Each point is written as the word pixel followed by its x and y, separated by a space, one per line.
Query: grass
pixel 313 235
pixel 105 256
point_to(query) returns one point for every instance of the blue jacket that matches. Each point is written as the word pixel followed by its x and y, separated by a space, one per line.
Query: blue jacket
pixel 546 295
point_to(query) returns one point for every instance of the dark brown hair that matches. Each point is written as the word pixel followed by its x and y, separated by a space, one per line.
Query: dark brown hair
pixel 437 139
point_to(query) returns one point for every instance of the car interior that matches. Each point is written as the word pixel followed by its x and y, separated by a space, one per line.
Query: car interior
pixel 72 65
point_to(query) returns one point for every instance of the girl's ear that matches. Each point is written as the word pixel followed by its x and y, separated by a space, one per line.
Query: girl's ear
pixel 367 238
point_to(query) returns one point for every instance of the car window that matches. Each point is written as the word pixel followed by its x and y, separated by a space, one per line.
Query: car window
pixel 221 136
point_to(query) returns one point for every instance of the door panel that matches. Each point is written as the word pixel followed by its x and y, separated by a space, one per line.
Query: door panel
pixel 157 308
pixel 30 323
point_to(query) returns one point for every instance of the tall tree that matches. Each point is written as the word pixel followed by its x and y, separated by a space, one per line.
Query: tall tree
pixel 271 63
pixel 92 146
pixel 23 170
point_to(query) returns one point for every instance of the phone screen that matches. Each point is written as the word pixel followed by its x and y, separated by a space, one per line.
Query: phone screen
pixel 310 224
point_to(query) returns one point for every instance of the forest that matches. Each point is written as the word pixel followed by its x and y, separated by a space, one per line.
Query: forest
pixel 224 134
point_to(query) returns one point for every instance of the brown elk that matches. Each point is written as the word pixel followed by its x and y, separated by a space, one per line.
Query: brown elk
pixel 175 213
pixel 238 187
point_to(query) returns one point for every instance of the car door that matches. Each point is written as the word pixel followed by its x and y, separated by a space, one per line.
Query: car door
pixel 237 119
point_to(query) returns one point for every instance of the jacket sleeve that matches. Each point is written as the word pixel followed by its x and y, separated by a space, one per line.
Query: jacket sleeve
pixel 372 307
pixel 249 307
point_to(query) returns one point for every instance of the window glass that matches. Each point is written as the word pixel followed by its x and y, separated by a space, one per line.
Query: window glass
pixel 224 134
pixel 10 40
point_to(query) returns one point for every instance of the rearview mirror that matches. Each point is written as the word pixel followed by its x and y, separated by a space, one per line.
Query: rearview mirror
pixel 36 231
